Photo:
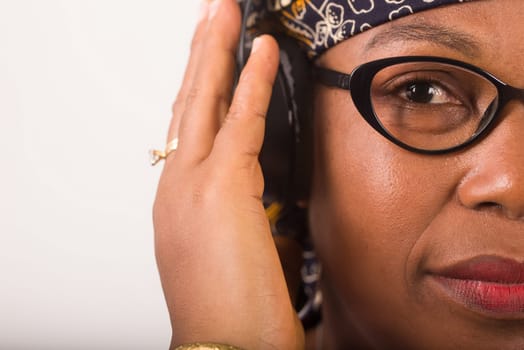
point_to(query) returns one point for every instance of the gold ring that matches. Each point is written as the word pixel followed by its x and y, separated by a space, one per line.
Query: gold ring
pixel 158 155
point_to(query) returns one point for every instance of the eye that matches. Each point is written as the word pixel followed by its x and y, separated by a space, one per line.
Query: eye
pixel 431 105
pixel 424 92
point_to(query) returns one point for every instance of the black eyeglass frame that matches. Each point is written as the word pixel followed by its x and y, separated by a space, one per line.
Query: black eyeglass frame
pixel 359 85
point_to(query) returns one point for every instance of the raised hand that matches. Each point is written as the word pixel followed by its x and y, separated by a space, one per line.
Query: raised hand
pixel 219 267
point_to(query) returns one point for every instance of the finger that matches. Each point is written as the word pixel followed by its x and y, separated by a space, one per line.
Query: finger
pixel 209 96
pixel 196 51
pixel 242 134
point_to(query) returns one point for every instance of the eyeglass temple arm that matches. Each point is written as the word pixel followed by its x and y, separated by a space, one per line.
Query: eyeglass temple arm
pixel 332 78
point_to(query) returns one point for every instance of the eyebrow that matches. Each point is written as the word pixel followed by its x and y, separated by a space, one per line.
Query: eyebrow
pixel 435 34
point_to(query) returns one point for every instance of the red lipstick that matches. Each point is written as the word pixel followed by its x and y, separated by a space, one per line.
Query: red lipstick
pixel 486 283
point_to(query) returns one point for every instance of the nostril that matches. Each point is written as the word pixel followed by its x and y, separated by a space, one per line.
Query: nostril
pixel 498 209
pixel 489 206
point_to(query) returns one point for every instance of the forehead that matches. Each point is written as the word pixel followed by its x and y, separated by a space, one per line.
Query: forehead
pixel 488 33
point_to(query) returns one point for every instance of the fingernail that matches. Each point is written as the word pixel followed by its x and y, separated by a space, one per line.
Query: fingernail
pixel 255 45
pixel 213 8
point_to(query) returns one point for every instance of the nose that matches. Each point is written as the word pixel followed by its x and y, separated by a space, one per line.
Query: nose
pixel 495 181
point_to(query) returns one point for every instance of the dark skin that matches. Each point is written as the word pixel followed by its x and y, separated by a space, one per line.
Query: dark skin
pixel 381 217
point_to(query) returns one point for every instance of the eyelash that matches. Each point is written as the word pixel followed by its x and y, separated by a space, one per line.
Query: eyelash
pixel 399 83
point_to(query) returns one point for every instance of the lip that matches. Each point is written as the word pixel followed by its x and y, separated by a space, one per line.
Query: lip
pixel 486 284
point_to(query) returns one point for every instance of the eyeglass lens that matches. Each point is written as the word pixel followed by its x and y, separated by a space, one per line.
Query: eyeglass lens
pixel 432 105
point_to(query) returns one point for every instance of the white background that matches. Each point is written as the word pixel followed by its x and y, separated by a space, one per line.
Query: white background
pixel 85 90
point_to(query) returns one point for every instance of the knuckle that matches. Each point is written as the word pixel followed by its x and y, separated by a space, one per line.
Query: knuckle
pixel 179 103
pixel 198 94
pixel 192 95
pixel 247 113
pixel 232 116
pixel 258 114
pixel 198 36
pixel 196 41
pixel 182 194
pixel 250 153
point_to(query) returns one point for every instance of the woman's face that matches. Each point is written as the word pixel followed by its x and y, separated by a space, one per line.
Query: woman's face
pixel 387 222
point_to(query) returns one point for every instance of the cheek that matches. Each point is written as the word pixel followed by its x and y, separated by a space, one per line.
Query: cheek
pixel 371 188
pixel 370 203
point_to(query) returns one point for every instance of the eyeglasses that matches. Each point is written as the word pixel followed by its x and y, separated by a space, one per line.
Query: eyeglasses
pixel 424 104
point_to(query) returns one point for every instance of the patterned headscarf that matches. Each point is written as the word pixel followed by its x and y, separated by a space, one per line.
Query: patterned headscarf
pixel 321 24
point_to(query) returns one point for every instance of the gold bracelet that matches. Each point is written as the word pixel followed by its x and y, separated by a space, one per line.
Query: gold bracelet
pixel 206 346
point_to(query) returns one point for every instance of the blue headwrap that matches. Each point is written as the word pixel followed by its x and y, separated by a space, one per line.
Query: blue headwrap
pixel 321 24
